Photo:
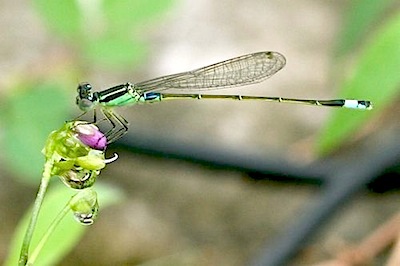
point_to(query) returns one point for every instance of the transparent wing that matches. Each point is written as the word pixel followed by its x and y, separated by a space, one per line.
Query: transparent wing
pixel 238 71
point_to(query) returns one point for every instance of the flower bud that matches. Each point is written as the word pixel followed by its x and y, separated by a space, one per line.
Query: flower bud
pixel 85 206
pixel 77 153
pixel 91 136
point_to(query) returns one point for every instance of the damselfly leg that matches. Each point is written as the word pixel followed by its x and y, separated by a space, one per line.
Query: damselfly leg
pixel 119 125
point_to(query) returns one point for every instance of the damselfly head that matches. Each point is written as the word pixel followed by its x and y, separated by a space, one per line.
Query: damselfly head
pixel 86 99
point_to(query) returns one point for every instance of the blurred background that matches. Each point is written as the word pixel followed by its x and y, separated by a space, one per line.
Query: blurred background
pixel 173 211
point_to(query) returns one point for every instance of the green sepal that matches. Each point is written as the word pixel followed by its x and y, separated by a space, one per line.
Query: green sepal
pixel 94 160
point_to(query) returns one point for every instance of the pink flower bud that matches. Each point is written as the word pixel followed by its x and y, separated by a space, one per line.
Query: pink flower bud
pixel 91 136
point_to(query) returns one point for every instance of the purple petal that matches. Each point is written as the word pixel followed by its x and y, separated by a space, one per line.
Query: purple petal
pixel 91 136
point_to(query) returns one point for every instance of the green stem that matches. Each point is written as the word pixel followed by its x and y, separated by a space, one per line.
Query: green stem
pixel 49 231
pixel 23 258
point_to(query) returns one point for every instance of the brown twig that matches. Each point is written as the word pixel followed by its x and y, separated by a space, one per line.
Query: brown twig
pixel 371 246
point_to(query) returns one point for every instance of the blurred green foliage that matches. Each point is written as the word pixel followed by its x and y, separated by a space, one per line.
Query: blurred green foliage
pixel 361 16
pixel 106 32
pixel 69 231
pixel 374 75
pixel 30 114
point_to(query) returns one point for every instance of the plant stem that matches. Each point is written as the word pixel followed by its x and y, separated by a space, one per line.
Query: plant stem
pixel 23 258
pixel 49 231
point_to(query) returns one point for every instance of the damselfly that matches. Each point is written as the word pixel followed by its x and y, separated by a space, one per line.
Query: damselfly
pixel 238 71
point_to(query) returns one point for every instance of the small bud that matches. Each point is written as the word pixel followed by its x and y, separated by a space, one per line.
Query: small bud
pixel 85 206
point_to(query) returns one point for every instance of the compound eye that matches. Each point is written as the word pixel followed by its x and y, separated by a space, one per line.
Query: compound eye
pixel 84 89
pixel 85 99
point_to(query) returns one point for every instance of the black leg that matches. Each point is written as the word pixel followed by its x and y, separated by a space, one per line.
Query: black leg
pixel 118 123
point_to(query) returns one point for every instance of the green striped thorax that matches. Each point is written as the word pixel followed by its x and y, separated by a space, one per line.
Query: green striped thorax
pixel 120 95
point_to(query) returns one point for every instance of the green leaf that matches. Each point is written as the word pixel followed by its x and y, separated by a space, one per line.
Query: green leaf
pixel 134 12
pixel 69 18
pixel 69 231
pixel 108 32
pixel 30 115
pixel 361 15
pixel 376 78
pixel 115 51
pixel 64 17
